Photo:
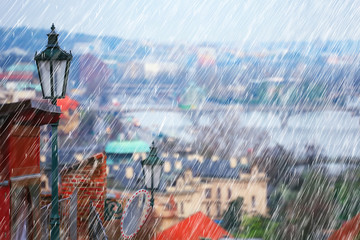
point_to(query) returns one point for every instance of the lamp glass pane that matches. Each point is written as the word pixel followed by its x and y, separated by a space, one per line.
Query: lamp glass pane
pixel 44 70
pixel 147 172
pixel 59 77
pixel 157 175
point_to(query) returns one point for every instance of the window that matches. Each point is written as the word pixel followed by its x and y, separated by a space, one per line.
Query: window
pixel 229 193
pixel 182 208
pixel 188 176
pixel 219 193
pixel 129 172
pixel 180 183
pixel 168 206
pixel 218 210
pixel 208 193
pixel 167 166
pixel 208 209
pixel 178 165
pixel 253 202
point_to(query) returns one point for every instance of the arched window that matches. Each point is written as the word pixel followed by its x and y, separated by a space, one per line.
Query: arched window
pixel 229 193
pixel 218 210
pixel 219 193
pixel 208 193
pixel 253 202
pixel 208 209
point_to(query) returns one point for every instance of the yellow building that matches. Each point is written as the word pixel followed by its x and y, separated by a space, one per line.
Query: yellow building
pixel 210 189
pixel 191 183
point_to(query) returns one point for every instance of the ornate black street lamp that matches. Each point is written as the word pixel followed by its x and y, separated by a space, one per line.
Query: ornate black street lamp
pixel 53 65
pixel 152 169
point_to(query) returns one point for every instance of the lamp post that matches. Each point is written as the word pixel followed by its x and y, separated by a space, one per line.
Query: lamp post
pixel 53 65
pixel 152 169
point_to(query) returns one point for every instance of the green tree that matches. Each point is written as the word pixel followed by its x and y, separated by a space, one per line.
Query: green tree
pixel 313 210
pixel 254 226
pixel 347 190
pixel 308 92
pixel 276 161
pixel 259 93
pixel 232 217
pixel 275 98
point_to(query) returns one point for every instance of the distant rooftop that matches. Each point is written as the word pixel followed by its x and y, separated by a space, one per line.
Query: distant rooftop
pixel 127 147
pixel 128 174
pixel 16 76
pixel 22 67
pixel 24 86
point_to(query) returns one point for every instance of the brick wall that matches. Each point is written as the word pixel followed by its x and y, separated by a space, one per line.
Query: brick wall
pixel 89 177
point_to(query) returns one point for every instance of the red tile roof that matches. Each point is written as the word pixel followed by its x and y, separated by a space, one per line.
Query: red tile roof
pixel 67 103
pixel 193 228
pixel 348 231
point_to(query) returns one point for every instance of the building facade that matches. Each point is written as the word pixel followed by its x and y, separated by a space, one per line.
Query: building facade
pixel 212 196
pixel 191 183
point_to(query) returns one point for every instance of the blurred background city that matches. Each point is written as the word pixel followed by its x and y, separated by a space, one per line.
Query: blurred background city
pixel 254 108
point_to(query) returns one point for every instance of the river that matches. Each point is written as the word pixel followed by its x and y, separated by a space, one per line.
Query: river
pixel 336 133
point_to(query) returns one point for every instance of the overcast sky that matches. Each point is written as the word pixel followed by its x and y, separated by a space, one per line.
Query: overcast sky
pixel 191 20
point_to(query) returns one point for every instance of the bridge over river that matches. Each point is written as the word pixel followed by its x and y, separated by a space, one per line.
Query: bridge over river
pixel 284 112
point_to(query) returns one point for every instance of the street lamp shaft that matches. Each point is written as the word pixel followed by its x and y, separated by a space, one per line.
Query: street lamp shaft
pixel 152 187
pixel 152 198
pixel 54 218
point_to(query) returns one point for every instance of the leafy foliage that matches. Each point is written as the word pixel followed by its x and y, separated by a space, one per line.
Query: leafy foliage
pixel 232 217
pixel 254 227
pixel 276 162
pixel 347 190
pixel 307 213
